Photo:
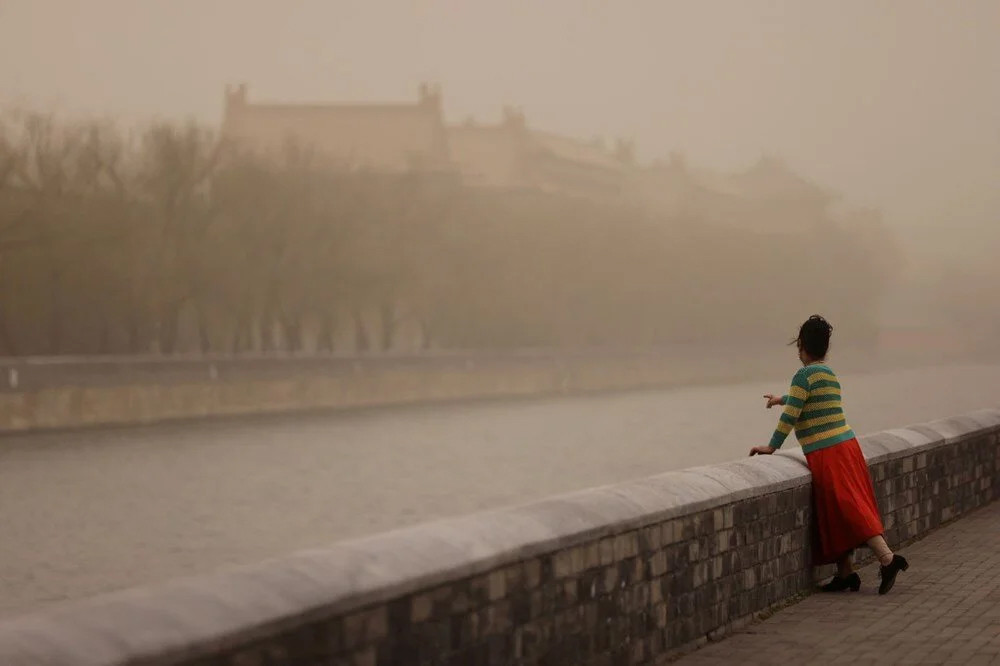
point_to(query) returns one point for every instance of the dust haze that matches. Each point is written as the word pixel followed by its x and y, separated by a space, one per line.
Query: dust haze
pixel 688 165
pixel 459 198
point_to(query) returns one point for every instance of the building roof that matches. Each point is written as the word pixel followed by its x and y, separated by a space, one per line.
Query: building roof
pixel 574 150
pixel 508 154
pixel 769 178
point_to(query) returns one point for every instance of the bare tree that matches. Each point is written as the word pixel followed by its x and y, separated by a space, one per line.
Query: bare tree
pixel 174 180
pixel 106 238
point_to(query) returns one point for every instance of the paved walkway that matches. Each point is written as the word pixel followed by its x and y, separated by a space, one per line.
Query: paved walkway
pixel 944 610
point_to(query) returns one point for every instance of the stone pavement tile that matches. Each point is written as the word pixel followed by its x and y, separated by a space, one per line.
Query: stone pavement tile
pixel 945 609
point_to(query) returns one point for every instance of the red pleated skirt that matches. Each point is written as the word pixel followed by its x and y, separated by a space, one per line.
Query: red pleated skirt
pixel 844 507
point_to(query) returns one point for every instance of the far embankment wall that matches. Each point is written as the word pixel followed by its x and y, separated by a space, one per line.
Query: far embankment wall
pixel 38 394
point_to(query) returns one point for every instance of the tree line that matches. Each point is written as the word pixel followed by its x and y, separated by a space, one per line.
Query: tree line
pixel 168 239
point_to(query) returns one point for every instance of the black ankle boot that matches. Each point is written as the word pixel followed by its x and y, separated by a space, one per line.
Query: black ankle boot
pixel 838 584
pixel 888 572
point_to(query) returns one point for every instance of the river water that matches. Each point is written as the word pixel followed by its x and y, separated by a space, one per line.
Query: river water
pixel 87 512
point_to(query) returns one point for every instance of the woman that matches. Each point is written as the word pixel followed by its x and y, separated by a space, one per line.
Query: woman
pixel 846 513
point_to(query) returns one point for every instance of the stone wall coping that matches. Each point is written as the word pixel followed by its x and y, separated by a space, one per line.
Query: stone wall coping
pixel 192 616
pixel 897 443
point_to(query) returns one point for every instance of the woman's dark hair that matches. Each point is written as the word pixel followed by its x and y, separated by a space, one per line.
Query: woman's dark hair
pixel 814 336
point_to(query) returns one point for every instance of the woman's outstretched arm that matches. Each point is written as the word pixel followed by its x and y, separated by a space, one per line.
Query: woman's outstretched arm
pixel 793 402
pixel 797 396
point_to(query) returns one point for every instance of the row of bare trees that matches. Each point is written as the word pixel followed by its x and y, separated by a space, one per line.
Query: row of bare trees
pixel 167 240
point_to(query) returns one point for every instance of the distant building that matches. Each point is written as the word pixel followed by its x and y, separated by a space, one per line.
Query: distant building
pixel 378 137
pixel 509 155
pixel 768 196
pixel 403 137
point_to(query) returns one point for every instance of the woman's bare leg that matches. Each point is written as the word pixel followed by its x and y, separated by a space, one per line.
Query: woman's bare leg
pixel 881 549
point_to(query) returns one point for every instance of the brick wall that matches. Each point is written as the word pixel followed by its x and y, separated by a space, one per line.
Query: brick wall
pixel 623 574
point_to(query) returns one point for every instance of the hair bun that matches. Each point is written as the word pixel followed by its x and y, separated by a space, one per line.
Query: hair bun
pixel 818 319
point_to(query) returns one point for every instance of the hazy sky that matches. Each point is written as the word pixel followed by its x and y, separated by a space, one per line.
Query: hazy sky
pixel 894 103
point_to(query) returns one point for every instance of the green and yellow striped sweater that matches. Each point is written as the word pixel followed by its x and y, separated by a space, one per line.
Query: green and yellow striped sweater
pixel 813 408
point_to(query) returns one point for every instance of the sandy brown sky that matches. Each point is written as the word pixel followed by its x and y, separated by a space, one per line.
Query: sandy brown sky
pixel 895 103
